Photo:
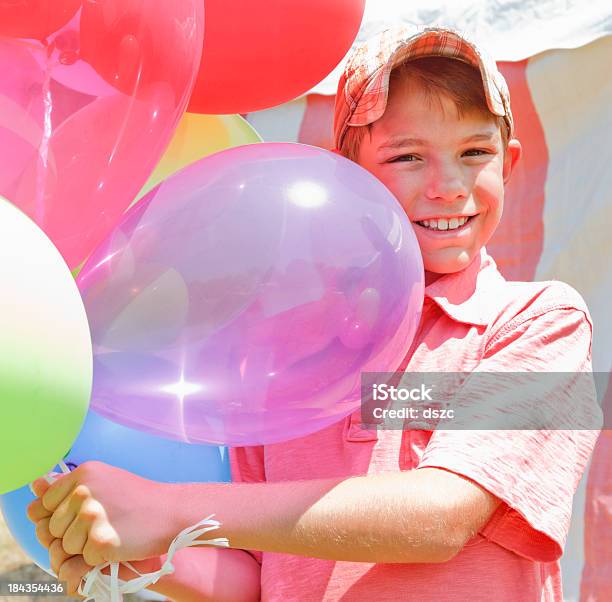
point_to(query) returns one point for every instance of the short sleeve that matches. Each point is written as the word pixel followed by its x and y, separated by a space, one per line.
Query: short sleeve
pixel 533 472
pixel 247 466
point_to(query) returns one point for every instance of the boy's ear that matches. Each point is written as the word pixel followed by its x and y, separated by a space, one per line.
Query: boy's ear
pixel 514 151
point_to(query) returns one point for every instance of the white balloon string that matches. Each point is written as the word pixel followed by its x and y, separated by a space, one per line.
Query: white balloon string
pixel 102 588
pixel 63 467
pixel 114 574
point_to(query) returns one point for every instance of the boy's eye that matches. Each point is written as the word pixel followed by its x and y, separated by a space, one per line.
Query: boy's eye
pixel 403 158
pixel 475 152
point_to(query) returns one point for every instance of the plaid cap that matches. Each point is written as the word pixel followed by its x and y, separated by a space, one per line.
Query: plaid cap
pixel 363 88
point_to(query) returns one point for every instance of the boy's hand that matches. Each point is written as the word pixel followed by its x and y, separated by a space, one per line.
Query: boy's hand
pixel 72 569
pixel 104 514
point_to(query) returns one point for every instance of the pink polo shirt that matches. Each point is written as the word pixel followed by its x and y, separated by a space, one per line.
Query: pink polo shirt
pixel 472 320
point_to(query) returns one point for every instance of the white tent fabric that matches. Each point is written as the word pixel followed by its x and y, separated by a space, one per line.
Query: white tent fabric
pixel 511 30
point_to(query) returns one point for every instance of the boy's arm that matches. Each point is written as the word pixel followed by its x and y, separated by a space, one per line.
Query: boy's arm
pixel 419 516
pixel 215 574
pixel 424 515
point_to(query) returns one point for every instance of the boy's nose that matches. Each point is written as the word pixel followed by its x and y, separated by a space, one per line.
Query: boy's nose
pixel 446 182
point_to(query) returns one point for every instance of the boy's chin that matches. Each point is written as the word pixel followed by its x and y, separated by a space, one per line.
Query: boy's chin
pixel 448 261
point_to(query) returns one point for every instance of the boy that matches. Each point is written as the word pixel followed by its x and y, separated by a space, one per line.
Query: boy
pixel 351 513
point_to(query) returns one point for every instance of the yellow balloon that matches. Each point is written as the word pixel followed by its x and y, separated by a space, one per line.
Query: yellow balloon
pixel 198 136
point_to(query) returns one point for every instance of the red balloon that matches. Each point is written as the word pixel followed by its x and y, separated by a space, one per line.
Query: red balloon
pixel 35 19
pixel 260 54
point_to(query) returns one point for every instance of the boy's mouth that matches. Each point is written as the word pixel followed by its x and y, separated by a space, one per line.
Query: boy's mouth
pixel 445 224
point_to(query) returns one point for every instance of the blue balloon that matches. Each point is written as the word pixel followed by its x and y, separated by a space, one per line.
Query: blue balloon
pixel 143 454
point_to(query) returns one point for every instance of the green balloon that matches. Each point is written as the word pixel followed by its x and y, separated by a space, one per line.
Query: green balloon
pixel 45 352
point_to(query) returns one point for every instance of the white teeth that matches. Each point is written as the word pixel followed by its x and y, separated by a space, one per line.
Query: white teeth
pixel 444 224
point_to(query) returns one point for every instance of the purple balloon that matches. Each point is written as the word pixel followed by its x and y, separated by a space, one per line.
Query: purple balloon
pixel 240 300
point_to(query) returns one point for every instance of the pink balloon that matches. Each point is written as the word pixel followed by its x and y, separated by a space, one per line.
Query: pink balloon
pixel 63 59
pixel 74 150
pixel 88 179
pixel 127 55
pixel 20 130
pixel 241 299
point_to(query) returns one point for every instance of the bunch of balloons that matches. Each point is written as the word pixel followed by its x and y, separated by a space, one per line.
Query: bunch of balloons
pixel 230 291
pixel 91 92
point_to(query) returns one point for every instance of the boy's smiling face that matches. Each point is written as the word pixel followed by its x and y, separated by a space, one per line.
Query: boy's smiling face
pixel 443 169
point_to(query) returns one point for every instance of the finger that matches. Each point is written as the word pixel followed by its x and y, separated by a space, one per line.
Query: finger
pixel 43 534
pixel 92 554
pixel 72 572
pixel 68 510
pixel 101 543
pixel 57 555
pixel 36 511
pixel 55 493
pixel 76 534
pixel 39 487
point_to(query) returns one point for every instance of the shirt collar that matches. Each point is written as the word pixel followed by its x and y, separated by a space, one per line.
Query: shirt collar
pixel 469 295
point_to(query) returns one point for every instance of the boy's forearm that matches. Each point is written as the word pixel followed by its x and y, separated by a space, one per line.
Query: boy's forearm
pixel 207 573
pixel 418 516
pixel 423 515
